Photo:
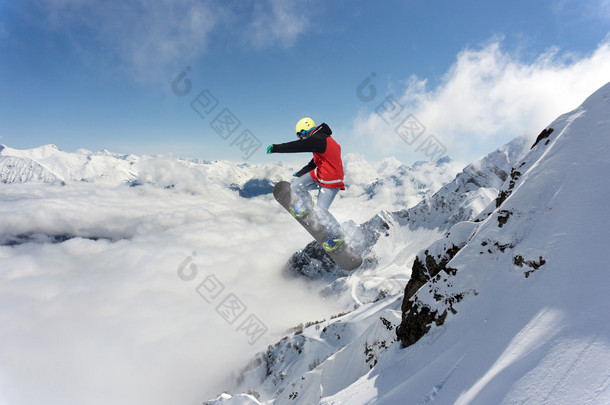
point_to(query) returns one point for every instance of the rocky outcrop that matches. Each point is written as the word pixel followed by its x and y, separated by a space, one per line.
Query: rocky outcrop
pixel 315 264
pixel 431 267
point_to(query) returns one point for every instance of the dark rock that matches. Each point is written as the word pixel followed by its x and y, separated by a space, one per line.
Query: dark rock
pixel 417 323
pixel 312 262
pixel 417 318
pixel 422 273
pixel 520 261
pixel 504 194
pixel 544 134
pixel 503 216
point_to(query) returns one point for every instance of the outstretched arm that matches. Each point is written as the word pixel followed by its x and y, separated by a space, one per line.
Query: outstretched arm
pixel 313 144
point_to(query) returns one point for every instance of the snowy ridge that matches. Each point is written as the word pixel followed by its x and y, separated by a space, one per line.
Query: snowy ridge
pixel 49 164
pixel 506 307
pixel 391 180
pixel 325 358
pixel 471 191
pixel 23 170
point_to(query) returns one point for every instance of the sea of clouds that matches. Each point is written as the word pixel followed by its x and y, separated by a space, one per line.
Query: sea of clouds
pixel 108 316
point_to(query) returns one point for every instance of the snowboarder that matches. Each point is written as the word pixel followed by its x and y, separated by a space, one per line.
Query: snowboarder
pixel 323 173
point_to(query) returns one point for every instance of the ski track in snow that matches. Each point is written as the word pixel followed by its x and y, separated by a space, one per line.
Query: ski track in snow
pixel 538 331
pixel 439 386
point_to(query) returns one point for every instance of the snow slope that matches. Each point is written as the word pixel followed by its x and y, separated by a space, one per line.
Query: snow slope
pixel 510 307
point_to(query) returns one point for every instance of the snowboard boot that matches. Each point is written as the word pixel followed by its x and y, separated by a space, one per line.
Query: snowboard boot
pixel 332 244
pixel 297 213
pixel 294 210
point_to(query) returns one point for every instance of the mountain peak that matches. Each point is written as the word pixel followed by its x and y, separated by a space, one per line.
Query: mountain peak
pixel 598 98
pixel 48 148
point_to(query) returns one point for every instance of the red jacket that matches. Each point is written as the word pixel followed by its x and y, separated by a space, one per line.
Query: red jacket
pixel 326 167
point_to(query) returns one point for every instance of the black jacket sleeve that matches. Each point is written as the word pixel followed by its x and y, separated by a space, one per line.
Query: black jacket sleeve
pixel 313 144
pixel 306 169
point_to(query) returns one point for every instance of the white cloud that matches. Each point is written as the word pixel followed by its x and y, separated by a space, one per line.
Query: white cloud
pixel 277 22
pixel 169 172
pixel 581 11
pixel 490 96
pixel 145 39
pixel 3 31
pixel 100 321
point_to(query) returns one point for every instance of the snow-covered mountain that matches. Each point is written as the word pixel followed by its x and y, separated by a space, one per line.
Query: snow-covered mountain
pixel 48 164
pixel 507 306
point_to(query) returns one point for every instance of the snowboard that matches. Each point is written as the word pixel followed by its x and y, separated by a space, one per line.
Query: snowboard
pixel 345 257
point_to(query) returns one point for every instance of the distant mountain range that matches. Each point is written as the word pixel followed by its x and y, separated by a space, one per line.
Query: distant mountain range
pixel 48 164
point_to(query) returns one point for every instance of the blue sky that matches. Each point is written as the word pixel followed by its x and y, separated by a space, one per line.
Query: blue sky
pixel 468 75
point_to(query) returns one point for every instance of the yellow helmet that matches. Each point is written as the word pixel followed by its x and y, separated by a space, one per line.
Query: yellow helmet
pixel 305 124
